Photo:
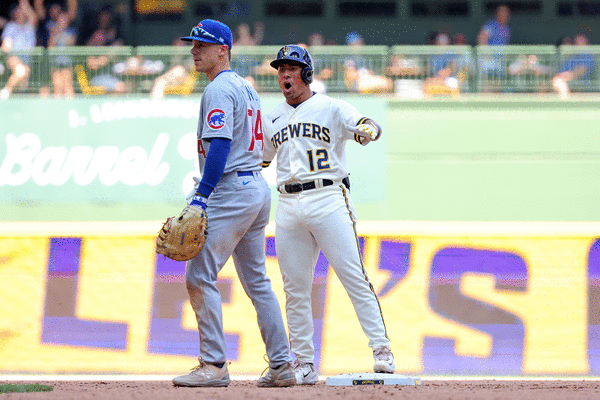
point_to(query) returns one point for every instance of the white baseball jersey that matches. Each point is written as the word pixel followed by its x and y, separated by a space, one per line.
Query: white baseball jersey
pixel 309 141
pixel 320 118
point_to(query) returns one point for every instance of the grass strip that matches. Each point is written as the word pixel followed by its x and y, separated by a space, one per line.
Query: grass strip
pixel 21 388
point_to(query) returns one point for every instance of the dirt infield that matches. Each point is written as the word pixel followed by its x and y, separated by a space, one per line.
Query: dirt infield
pixel 243 389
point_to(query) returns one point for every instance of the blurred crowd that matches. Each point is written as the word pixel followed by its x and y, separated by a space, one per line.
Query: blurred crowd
pixel 55 24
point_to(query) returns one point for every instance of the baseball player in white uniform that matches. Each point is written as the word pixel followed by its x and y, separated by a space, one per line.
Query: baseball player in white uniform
pixel 237 200
pixel 308 132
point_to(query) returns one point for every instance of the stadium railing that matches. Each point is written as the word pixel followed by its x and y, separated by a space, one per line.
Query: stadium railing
pixel 133 70
pixel 590 82
pixel 93 68
pixel 412 65
pixel 515 69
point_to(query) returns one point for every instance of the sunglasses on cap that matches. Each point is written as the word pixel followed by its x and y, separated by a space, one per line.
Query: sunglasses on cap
pixel 200 32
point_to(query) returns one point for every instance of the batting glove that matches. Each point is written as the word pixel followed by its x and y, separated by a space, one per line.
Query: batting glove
pixel 366 132
pixel 199 201
pixel 370 131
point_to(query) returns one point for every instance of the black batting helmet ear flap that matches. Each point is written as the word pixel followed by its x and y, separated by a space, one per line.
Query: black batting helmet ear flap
pixel 299 54
pixel 307 74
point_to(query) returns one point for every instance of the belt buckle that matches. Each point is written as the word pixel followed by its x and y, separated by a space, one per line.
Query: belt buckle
pixel 309 185
pixel 293 187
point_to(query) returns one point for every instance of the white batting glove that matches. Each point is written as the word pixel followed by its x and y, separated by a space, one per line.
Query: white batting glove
pixel 367 132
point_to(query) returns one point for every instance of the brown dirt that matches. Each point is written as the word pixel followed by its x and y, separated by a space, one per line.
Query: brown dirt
pixel 243 389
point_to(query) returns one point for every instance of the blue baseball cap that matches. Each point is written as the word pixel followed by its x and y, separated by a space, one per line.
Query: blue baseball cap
pixel 352 37
pixel 210 31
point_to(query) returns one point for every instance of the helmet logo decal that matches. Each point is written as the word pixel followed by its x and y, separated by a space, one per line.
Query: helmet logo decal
pixel 298 54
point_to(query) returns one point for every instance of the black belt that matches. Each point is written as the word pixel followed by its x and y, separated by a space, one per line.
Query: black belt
pixel 298 187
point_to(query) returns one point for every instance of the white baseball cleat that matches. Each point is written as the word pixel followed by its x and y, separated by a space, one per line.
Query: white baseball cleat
pixel 305 373
pixel 204 375
pixel 384 360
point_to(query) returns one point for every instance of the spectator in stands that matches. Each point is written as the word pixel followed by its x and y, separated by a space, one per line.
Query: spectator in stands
pixel 179 71
pixel 448 69
pixel 466 62
pixel 441 61
pixel 430 37
pixel 321 63
pixel 443 69
pixel 244 37
pixel 495 32
pixel 19 35
pixel 3 22
pixel 106 30
pixel 48 12
pixel 459 39
pixel 564 41
pixel 402 66
pixel 62 35
pixel 359 78
pixel 579 67
pixel 527 64
pixel 56 31
pixel 264 68
pixel 102 76
pixel 316 39
pixel 244 63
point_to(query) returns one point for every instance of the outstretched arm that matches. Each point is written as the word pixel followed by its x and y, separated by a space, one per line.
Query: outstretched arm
pixel 367 130
pixel 32 17
pixel 71 10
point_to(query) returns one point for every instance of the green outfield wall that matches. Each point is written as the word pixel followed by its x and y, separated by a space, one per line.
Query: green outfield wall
pixel 467 159
pixel 514 159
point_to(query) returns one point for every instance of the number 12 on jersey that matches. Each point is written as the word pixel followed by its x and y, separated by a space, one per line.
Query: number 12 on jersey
pixel 321 157
pixel 257 132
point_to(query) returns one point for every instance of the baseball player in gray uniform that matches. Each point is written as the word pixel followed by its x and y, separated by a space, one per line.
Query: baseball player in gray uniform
pixel 308 132
pixel 237 201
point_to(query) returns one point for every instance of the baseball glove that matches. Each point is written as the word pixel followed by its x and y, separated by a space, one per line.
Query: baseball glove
pixel 182 238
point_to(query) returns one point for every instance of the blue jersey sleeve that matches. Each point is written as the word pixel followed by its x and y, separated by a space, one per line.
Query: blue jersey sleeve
pixel 214 165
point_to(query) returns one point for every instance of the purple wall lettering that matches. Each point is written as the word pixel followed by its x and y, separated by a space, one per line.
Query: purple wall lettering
pixel 167 336
pixel 594 308
pixel 60 325
pixel 445 298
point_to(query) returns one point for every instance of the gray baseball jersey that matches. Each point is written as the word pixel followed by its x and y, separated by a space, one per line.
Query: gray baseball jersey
pixel 230 109
pixel 238 211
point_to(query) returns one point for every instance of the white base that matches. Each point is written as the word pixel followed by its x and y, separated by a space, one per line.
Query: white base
pixel 371 379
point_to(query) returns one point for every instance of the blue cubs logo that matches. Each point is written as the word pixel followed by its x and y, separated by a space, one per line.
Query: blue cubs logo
pixel 216 119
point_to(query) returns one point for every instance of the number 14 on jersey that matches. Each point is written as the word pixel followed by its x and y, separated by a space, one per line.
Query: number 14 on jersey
pixel 257 132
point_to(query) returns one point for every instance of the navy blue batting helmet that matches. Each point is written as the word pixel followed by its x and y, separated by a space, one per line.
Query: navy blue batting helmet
pixel 299 54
